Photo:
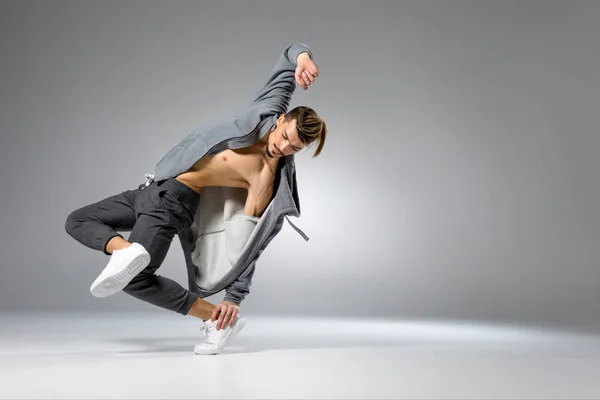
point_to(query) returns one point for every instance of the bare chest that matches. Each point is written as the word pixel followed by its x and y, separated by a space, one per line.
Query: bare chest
pixel 244 168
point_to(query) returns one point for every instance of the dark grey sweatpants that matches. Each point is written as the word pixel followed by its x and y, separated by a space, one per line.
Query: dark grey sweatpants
pixel 154 214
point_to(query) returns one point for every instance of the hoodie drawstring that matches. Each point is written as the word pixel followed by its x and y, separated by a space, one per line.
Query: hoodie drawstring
pixel 297 229
pixel 149 179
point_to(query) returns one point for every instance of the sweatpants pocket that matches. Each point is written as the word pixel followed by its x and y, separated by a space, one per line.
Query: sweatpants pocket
pixel 175 208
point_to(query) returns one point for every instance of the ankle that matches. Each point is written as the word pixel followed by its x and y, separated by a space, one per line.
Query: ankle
pixel 116 243
pixel 201 309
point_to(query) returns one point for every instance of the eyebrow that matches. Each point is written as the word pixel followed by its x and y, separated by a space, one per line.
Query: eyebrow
pixel 286 134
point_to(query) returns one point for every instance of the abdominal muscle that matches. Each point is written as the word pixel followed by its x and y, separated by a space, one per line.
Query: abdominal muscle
pixel 231 168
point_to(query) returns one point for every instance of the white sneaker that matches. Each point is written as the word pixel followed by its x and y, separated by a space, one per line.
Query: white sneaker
pixel 215 340
pixel 122 267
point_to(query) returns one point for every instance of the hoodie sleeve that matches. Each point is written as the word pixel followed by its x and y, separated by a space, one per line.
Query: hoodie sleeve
pixel 277 91
pixel 239 289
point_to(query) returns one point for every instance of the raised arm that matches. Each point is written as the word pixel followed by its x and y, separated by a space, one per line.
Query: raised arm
pixel 295 65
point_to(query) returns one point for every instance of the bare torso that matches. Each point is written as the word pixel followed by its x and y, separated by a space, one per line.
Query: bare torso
pixel 247 168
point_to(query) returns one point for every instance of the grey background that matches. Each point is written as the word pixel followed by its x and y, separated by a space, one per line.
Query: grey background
pixel 460 178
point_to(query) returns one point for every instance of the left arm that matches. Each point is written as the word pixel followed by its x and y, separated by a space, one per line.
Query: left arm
pixel 226 311
pixel 237 291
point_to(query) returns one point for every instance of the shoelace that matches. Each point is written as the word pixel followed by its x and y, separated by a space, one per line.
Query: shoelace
pixel 209 331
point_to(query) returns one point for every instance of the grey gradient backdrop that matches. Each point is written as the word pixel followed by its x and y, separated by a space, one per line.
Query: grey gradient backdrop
pixel 460 179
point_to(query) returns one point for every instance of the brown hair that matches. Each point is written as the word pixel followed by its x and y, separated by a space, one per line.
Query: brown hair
pixel 311 128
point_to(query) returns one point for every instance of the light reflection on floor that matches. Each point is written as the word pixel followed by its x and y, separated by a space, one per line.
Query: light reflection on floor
pixel 150 356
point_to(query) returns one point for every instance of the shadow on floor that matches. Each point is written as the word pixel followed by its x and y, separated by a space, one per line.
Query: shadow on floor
pixel 255 345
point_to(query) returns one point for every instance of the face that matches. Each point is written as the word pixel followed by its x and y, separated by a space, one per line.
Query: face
pixel 284 139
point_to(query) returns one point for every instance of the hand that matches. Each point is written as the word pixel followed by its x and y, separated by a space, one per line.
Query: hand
pixel 225 311
pixel 306 71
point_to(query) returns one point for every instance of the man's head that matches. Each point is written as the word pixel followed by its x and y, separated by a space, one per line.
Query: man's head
pixel 295 130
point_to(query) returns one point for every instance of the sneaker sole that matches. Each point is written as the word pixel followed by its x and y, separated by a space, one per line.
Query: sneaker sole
pixel 115 283
pixel 238 327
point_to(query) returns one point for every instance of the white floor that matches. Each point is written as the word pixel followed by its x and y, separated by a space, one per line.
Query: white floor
pixel 133 356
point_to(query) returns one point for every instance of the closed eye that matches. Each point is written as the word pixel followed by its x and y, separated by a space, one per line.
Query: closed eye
pixel 285 136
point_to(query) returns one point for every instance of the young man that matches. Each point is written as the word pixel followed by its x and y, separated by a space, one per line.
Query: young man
pixel 224 190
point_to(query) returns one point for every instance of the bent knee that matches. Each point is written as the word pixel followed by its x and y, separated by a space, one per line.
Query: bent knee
pixel 73 221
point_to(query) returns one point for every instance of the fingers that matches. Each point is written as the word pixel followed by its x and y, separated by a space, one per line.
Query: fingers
pixel 306 71
pixel 229 316
pixel 215 312
pixel 307 75
pixel 301 83
pixel 300 80
pixel 305 79
pixel 222 315
pixel 235 313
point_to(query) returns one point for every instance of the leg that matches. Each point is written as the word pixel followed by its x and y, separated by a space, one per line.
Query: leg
pixel 96 225
pixel 201 309
pixel 116 243
pixel 163 211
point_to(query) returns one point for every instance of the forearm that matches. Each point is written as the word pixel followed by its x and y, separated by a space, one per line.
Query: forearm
pixel 281 82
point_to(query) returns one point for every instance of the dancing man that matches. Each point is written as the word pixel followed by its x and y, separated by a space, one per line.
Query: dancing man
pixel 224 190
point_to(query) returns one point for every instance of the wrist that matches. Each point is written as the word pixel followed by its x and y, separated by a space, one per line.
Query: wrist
pixel 232 300
pixel 303 56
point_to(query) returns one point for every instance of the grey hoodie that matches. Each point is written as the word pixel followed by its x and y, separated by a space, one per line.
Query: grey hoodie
pixel 223 244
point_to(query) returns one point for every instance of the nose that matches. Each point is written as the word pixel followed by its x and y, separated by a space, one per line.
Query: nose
pixel 286 147
pixel 278 148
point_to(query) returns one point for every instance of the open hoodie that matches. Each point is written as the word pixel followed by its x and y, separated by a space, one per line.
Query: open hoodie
pixel 222 245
